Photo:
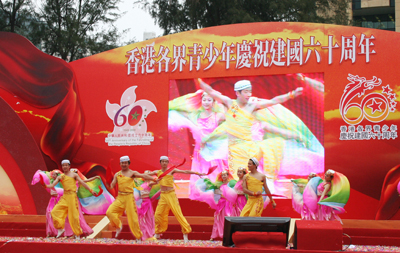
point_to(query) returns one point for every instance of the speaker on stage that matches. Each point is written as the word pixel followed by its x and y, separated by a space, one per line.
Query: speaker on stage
pixel 267 227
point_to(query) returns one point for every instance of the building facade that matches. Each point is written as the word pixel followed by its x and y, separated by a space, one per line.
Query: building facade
pixel 378 14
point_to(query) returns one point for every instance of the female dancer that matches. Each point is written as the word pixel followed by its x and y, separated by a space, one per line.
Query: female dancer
pixel 297 201
pixel 226 203
pixel 220 196
pixel 324 190
pixel 241 198
pixel 325 199
pixel 201 114
pixel 297 197
pixel 145 210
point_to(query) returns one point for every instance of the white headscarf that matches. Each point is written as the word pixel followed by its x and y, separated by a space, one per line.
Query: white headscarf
pixel 65 161
pixel 241 85
pixel 164 157
pixel 330 172
pixel 124 159
pixel 255 161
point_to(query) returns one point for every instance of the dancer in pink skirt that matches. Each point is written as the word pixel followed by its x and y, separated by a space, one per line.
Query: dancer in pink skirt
pixel 221 196
pixel 202 115
pixel 145 209
pixel 323 199
pixel 241 198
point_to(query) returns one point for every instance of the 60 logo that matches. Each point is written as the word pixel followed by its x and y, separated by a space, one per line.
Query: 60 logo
pixel 136 114
pixel 130 115
pixel 375 107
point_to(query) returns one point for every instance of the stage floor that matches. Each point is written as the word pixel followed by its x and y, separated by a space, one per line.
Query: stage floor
pixel 12 244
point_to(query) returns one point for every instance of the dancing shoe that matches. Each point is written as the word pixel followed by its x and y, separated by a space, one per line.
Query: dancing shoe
pixel 60 232
pixel 118 231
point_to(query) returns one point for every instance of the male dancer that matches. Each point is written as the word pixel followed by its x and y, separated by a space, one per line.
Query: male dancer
pixel 252 185
pixel 68 204
pixel 125 200
pixel 240 119
pixel 169 201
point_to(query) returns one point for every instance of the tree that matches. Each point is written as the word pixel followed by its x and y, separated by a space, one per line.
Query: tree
pixel 177 16
pixel 72 29
pixel 15 16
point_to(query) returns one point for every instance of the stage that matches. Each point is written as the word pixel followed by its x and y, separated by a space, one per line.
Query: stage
pixel 23 233
pixel 36 244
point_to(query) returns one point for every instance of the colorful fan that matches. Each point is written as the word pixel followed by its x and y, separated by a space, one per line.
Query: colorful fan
pixel 92 204
pixel 340 193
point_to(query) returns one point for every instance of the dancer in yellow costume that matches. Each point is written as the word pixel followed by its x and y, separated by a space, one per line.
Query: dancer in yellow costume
pixel 68 204
pixel 169 201
pixel 240 119
pixel 125 200
pixel 253 184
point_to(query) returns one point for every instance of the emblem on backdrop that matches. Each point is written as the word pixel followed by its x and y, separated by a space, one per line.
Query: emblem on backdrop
pixel 369 100
pixel 129 118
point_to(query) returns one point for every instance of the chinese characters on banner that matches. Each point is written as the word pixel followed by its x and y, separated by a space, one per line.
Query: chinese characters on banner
pixel 369 132
pixel 247 54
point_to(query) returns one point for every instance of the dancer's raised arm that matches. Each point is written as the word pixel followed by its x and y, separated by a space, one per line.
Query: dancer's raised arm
pixel 215 94
pixel 144 176
pixel 264 103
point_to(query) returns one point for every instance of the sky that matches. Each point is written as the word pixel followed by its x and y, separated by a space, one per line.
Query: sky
pixel 137 20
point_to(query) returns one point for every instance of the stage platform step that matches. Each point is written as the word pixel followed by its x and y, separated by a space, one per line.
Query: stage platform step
pixel 26 229
pixel 23 229
pixel 23 232
pixel 35 226
pixel 372 232
pixel 22 225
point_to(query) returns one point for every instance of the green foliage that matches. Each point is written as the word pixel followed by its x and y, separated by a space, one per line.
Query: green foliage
pixel 71 29
pixel 177 16
pixel 16 16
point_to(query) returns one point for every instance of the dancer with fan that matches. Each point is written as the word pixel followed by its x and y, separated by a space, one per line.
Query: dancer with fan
pixel 221 196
